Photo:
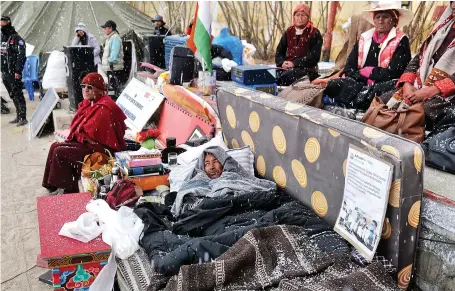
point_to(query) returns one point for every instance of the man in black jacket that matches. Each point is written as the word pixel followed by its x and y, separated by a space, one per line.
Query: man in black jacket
pixel 12 63
pixel 159 26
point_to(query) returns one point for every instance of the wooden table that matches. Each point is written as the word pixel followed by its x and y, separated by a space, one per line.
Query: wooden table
pixel 74 264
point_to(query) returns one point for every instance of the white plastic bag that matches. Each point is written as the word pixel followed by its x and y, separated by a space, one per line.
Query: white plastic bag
pixel 55 74
pixel 227 64
pixel 84 229
pixel 248 52
pixel 121 230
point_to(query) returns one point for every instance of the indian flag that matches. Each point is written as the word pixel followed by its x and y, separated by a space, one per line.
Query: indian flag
pixel 200 40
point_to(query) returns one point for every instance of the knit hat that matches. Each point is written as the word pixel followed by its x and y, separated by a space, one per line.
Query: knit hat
pixel 80 26
pixel 94 79
pixel 302 7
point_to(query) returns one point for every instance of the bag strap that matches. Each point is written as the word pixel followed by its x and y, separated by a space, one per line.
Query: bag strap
pixel 375 112
pixel 401 120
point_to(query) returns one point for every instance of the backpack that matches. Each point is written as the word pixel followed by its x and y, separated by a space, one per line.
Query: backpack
pixel 124 193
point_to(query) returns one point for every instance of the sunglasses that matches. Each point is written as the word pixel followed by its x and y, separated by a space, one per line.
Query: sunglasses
pixel 90 87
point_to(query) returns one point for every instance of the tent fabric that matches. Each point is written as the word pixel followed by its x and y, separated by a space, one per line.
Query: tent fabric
pixel 49 25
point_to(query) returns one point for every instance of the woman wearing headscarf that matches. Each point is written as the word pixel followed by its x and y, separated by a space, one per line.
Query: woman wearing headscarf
pixel 378 58
pixel 83 37
pixel 99 125
pixel 430 76
pixel 299 50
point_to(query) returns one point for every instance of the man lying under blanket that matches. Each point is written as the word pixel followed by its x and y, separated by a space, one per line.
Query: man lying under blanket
pixel 218 206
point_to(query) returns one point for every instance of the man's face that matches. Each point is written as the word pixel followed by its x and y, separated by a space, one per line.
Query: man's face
pixel 107 30
pixel 212 166
pixel 80 33
pixel 89 92
pixel 159 23
pixel 4 22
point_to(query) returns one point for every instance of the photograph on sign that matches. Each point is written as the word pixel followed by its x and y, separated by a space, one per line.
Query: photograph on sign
pixel 366 192
pixel 138 101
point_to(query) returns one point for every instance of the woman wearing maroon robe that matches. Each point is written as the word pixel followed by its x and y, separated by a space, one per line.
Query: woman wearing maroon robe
pixel 99 125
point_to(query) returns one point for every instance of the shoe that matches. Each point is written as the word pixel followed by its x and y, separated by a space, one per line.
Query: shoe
pixel 16 120
pixel 59 191
pixel 22 122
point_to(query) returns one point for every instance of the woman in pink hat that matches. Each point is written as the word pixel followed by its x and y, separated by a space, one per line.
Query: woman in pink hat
pixel 299 50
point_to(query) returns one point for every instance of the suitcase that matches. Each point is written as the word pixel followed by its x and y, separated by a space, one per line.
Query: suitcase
pixel 169 43
pixel 181 65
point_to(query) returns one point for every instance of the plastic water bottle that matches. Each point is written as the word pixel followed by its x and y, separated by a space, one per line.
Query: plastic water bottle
pixel 115 176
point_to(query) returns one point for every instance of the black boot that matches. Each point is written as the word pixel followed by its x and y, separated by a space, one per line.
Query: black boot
pixel 22 122
pixel 15 120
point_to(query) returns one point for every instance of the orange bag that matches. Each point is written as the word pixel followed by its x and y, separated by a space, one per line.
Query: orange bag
pixel 93 162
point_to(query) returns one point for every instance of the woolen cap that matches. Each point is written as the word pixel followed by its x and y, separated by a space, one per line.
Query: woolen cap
pixel 302 7
pixel 5 18
pixel 94 79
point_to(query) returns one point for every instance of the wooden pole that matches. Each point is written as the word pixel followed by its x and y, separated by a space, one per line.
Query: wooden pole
pixel 328 35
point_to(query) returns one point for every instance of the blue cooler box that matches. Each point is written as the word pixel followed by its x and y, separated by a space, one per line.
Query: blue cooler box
pixel 169 43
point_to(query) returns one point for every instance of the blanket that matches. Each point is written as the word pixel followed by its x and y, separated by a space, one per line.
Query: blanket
pixel 233 182
pixel 282 258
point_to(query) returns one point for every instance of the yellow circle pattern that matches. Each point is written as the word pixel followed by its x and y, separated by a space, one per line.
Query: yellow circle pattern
pixel 279 140
pixel 372 133
pixel 391 150
pixel 418 159
pixel 230 114
pixel 254 121
pixel 312 150
pixel 235 144
pixel 319 203
pixel 394 194
pixel 247 140
pixel 404 276
pixel 279 176
pixel 386 229
pixel 260 166
pixel 299 172
pixel 333 132
pixel 414 215
pixel 225 140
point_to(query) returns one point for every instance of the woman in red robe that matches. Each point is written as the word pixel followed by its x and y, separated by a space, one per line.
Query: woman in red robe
pixel 99 125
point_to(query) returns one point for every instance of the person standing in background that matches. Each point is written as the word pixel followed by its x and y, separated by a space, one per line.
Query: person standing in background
pixel 159 26
pixel 113 48
pixel 84 37
pixel 12 63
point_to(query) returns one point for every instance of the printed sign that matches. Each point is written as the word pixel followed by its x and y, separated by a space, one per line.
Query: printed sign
pixel 139 101
pixel 366 191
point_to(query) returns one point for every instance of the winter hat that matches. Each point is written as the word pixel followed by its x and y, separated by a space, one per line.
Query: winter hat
pixel 80 26
pixel 94 79
pixel 404 16
pixel 302 7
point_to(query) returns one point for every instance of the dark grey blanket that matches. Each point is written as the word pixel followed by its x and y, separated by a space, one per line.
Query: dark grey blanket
pixel 233 182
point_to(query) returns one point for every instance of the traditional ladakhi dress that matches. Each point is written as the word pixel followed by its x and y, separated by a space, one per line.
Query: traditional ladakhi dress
pixel 101 121
pixel 386 59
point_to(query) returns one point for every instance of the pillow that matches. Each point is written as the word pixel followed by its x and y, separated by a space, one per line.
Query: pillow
pixel 245 157
pixel 194 153
pixel 179 174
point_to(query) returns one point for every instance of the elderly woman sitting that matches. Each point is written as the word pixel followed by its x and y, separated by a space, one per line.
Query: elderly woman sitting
pixel 216 175
pixel 299 50
pixel 99 125
pixel 379 58
pixel 430 76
